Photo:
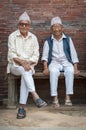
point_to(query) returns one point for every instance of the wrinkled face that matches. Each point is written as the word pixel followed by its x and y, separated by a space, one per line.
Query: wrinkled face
pixel 24 26
pixel 57 30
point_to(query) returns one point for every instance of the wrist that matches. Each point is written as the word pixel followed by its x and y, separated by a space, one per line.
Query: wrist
pixel 45 68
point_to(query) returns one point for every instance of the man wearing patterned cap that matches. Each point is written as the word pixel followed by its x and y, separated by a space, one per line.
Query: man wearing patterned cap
pixel 59 54
pixel 23 55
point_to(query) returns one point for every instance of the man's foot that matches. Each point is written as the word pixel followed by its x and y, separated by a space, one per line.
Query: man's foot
pixel 56 104
pixel 68 103
pixel 40 103
pixel 21 113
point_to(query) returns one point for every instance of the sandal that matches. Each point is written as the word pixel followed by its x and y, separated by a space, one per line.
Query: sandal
pixel 56 104
pixel 21 113
pixel 40 103
pixel 68 103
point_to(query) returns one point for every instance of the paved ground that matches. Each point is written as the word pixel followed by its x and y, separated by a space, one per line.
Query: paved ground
pixel 58 128
pixel 64 118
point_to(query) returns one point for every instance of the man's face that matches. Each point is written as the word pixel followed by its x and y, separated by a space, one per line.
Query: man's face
pixel 57 30
pixel 24 26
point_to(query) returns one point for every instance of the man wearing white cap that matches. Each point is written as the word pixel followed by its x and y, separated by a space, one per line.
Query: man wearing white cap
pixel 59 54
pixel 23 55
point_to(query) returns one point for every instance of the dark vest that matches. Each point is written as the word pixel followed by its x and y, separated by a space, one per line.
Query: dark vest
pixel 66 48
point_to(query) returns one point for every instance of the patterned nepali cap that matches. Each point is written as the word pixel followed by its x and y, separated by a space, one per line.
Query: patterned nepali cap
pixel 56 20
pixel 24 16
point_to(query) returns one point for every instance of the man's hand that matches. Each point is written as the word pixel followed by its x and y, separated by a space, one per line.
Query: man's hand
pixel 26 66
pixel 76 71
pixel 23 63
pixel 46 71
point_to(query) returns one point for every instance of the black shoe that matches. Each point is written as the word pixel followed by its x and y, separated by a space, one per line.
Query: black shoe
pixel 21 113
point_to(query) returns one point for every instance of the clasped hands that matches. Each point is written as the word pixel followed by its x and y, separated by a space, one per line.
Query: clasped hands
pixel 26 65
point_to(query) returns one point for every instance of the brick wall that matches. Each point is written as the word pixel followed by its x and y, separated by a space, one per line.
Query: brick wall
pixel 73 13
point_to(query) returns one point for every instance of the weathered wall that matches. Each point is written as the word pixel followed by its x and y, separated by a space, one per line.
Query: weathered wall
pixel 72 12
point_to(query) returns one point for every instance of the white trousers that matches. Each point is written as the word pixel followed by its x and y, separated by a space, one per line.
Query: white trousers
pixel 27 82
pixel 54 75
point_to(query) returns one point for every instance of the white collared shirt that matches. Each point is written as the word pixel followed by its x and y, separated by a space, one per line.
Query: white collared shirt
pixel 22 48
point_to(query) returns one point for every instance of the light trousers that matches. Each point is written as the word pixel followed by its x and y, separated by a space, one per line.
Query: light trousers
pixel 55 70
pixel 27 82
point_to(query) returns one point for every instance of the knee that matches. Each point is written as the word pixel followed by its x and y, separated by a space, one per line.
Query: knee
pixel 70 70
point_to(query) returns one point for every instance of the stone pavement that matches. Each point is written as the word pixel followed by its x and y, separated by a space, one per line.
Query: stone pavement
pixel 28 128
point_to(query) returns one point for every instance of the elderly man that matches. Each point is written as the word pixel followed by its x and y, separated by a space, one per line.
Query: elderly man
pixel 23 55
pixel 59 54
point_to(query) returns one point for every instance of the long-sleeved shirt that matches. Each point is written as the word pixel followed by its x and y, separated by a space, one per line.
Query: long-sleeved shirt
pixel 22 48
pixel 58 53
